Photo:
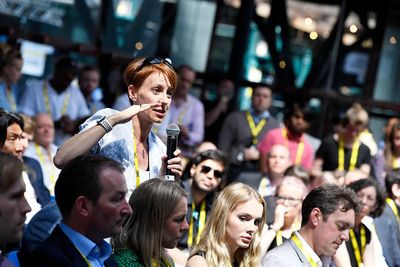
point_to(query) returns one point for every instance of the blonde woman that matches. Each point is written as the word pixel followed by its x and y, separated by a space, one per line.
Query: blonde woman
pixel 232 233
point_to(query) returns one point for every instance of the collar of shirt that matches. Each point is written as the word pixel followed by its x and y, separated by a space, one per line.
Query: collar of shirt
pixel 93 252
pixel 264 115
pixel 309 250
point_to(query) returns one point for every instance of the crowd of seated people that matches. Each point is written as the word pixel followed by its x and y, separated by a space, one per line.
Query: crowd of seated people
pixel 253 198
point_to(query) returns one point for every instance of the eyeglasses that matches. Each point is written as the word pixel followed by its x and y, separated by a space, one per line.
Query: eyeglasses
pixel 155 60
pixel 206 169
pixel 291 201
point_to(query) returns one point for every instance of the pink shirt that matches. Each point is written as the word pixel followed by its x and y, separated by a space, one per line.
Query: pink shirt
pixel 276 136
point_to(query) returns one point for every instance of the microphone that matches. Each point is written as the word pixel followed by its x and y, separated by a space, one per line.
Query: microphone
pixel 172 141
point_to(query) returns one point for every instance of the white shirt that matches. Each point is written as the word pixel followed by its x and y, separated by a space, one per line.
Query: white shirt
pixel 70 102
pixel 45 158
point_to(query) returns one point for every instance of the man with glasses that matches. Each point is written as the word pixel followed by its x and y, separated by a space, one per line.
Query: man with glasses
pixel 328 212
pixel 207 173
pixel 287 213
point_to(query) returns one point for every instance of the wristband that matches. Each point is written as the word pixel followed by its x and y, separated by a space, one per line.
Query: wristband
pixel 103 122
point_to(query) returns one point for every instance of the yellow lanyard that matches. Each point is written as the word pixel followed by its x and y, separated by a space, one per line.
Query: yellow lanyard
pixel 300 146
pixel 396 163
pixel 202 222
pixel 136 159
pixel 11 99
pixel 357 252
pixel 300 246
pixel 279 239
pixel 255 129
pixel 155 263
pixel 262 188
pixel 182 114
pixel 42 162
pixel 393 206
pixel 84 257
pixel 353 157
pixel 47 100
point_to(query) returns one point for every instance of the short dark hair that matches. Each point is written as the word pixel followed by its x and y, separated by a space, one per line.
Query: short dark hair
pixel 88 68
pixel 65 63
pixel 80 177
pixel 328 198
pixel 380 195
pixel 10 171
pixel 7 119
pixel 213 154
pixel 391 179
pixel 295 108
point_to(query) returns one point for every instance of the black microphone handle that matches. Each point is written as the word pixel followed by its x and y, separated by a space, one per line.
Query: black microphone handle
pixel 172 142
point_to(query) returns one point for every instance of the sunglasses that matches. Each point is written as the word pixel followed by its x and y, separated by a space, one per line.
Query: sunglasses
pixel 155 60
pixel 206 169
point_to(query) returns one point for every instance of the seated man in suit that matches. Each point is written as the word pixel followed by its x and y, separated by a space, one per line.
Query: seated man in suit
pixel 13 204
pixel 328 212
pixel 90 193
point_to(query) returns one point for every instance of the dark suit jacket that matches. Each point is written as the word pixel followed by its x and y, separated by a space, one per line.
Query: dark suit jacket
pixel 57 250
pixel 36 177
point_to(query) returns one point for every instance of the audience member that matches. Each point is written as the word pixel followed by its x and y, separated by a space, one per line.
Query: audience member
pixel 127 136
pixel 388 224
pixel 13 205
pixel 278 160
pixel 11 125
pixel 207 174
pixel 343 151
pixel 328 212
pixel 287 216
pixel 242 131
pixel 10 72
pixel 218 110
pixel 297 120
pixel 363 248
pixel 89 80
pixel 204 146
pixel 157 224
pixel 59 98
pixel 232 234
pixel 388 158
pixel 91 195
pixel 187 112
pixel 43 149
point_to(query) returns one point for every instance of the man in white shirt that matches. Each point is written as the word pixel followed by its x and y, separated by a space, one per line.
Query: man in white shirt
pixel 57 97
pixel 43 149
pixel 328 212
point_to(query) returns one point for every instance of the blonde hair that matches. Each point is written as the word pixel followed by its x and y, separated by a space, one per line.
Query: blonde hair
pixel 152 202
pixel 356 115
pixel 212 240
pixel 29 124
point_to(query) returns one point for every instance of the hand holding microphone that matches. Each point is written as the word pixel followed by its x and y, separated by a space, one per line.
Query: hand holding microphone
pixel 172 142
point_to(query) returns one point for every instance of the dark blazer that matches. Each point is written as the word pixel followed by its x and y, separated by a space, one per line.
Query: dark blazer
pixel 36 177
pixel 58 250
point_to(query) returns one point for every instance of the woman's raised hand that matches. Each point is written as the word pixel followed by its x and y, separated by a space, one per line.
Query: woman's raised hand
pixel 127 114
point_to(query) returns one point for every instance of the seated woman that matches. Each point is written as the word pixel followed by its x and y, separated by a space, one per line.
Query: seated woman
pixel 157 223
pixel 232 233
pixel 363 247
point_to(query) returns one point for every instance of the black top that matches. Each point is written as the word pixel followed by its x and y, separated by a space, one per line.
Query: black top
pixel 329 150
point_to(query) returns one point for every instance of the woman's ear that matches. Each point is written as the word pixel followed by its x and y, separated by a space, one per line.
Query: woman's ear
pixel 132 93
